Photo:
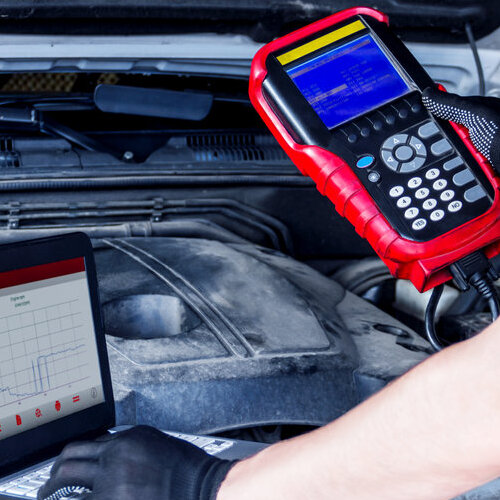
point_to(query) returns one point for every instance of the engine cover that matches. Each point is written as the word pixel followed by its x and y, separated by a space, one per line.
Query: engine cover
pixel 205 336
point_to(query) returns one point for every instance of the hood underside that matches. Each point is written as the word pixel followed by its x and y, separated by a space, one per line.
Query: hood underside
pixel 442 21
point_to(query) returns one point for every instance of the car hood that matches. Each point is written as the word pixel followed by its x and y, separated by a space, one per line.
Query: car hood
pixel 417 20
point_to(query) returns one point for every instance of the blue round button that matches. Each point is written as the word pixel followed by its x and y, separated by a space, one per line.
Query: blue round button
pixel 365 161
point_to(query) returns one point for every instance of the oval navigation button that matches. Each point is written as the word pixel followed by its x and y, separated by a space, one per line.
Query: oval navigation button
pixel 365 161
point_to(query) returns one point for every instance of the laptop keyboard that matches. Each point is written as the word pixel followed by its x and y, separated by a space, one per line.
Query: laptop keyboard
pixel 27 485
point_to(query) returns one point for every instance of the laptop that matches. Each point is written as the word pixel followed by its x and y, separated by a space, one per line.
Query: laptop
pixel 55 383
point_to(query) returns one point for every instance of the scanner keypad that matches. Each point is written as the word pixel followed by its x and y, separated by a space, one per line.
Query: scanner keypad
pixel 425 185
pixel 425 192
pixel 435 193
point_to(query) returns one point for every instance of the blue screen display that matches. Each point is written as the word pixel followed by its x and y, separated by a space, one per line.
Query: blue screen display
pixel 348 81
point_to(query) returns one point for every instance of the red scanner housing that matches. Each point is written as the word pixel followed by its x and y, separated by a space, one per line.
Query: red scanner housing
pixel 424 263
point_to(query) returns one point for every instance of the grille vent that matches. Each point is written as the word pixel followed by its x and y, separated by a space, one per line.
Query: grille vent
pixel 235 147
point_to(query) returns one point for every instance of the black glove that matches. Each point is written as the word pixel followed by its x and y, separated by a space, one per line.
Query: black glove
pixel 139 464
pixel 481 115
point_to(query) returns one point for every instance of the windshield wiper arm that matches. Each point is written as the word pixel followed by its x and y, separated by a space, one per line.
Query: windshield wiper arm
pixel 35 118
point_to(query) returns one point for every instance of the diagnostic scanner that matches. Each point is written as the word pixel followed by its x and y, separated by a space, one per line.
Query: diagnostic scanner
pixel 343 98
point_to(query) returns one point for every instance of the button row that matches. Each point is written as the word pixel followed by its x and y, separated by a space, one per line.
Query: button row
pixel 429 203
pixel 376 122
pixel 412 212
pixel 471 195
pixel 435 216
pixel 438 185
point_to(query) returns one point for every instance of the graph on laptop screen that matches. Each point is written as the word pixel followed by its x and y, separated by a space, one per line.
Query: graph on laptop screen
pixel 49 366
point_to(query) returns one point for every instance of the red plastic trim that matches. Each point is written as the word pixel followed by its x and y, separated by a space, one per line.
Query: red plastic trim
pixel 424 264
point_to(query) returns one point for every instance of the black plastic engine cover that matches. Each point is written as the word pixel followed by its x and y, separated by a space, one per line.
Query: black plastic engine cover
pixel 205 336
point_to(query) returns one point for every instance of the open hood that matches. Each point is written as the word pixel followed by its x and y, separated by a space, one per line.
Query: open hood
pixel 416 20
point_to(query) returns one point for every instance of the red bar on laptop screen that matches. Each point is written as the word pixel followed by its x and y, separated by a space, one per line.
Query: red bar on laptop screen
pixel 42 272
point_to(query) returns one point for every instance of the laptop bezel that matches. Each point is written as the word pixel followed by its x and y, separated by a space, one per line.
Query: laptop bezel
pixel 46 441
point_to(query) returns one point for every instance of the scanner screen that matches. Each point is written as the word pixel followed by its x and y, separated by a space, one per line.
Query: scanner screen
pixel 348 81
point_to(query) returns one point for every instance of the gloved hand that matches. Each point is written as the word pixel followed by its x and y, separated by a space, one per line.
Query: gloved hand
pixel 139 464
pixel 481 115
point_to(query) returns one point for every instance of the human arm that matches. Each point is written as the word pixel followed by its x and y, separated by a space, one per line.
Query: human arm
pixel 432 434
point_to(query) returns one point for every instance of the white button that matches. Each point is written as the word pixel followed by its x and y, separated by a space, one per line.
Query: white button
pixel 437 215
pixel 396 191
pixel 431 174
pixel 429 204
pixel 439 184
pixel 455 206
pixel 422 193
pixel 411 213
pixel 414 182
pixel 403 202
pixel 419 224
pixel 447 195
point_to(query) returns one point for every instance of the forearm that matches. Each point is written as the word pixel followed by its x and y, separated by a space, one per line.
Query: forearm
pixel 430 435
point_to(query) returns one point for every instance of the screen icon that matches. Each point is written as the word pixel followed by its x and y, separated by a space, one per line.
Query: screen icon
pixel 19 420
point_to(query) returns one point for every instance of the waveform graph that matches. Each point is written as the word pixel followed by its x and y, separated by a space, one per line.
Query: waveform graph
pixel 41 350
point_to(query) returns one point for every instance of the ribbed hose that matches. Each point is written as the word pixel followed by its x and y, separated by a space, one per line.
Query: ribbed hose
pixel 154 181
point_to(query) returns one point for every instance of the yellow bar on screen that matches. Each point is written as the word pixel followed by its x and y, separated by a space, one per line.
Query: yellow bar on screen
pixel 318 43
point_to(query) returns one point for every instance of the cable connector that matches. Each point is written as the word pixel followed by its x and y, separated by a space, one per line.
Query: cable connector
pixel 476 270
pixel 471 270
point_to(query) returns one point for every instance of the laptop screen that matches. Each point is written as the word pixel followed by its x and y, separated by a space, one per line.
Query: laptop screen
pixel 49 364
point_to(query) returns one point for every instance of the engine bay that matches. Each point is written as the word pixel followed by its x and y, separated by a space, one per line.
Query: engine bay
pixel 236 302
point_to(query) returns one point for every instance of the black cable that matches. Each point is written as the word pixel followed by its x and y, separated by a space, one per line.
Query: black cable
pixel 485 288
pixel 473 270
pixel 477 59
pixel 430 314
pixel 494 305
